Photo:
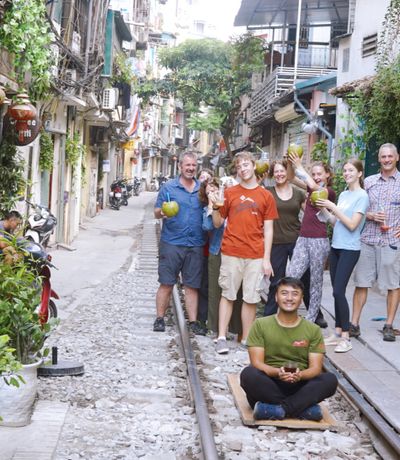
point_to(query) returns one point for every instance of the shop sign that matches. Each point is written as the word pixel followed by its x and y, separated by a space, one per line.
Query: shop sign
pixel 26 130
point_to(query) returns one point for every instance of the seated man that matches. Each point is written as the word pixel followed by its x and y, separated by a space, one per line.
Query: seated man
pixel 8 227
pixel 274 388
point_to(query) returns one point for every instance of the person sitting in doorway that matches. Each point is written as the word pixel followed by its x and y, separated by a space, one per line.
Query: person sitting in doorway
pixel 285 378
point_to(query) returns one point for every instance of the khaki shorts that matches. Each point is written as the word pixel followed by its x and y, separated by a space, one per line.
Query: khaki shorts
pixel 380 264
pixel 235 271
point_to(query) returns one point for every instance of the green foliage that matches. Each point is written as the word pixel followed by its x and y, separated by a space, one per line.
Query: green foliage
pixel 46 155
pixel 389 38
pixel 123 71
pixel 19 297
pixel 8 363
pixel 12 181
pixel 25 34
pixel 212 73
pixel 380 107
pixel 352 144
pixel 319 152
pixel 74 149
pixel 208 122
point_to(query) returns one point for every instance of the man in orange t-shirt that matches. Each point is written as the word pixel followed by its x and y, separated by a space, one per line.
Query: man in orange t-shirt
pixel 246 245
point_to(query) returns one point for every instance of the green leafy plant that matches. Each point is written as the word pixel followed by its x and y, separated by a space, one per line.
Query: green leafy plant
pixel 12 179
pixel 46 155
pixel 25 33
pixel 9 366
pixel 123 71
pixel 19 298
pixel 319 151
pixel 74 149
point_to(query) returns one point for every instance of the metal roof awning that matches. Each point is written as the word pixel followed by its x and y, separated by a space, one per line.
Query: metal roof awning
pixel 264 13
pixel 322 83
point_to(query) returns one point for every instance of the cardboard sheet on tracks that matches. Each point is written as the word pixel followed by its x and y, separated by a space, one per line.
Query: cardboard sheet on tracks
pixel 246 412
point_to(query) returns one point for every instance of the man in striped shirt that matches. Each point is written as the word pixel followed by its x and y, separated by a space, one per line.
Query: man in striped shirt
pixel 380 242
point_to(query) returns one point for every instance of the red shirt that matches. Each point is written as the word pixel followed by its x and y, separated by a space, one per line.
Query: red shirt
pixel 246 211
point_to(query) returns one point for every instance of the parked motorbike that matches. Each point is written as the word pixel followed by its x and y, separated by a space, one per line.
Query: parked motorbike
pixel 136 186
pixel 41 224
pixel 161 180
pixel 154 185
pixel 40 261
pixel 124 192
pixel 115 195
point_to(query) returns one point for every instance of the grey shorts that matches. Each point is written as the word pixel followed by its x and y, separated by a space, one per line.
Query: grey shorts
pixel 176 259
pixel 380 264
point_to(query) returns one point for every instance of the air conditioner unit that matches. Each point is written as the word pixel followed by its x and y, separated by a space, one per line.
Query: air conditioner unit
pixel 110 98
pixel 76 43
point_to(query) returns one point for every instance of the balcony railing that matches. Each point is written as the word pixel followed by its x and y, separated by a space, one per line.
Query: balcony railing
pixel 278 82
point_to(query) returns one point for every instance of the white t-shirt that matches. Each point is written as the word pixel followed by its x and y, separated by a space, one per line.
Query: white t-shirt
pixel 350 202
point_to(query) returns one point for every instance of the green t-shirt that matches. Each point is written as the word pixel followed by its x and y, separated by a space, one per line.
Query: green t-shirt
pixel 283 344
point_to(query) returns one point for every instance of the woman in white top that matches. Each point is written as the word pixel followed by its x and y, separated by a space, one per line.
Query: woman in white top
pixel 348 218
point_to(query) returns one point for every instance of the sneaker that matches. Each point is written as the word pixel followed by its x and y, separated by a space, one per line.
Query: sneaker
pixel 159 324
pixel 388 333
pixel 354 331
pixel 313 412
pixel 343 346
pixel 264 411
pixel 332 340
pixel 221 346
pixel 197 328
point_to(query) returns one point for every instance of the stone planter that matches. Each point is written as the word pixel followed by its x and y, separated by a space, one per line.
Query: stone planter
pixel 16 404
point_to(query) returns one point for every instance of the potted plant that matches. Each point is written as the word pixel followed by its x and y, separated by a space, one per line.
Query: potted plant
pixel 19 298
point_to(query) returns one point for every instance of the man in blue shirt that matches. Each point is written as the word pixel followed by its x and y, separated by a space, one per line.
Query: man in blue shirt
pixel 181 244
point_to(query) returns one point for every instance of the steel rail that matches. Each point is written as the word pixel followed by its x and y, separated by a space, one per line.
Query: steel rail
pixel 206 434
pixel 376 420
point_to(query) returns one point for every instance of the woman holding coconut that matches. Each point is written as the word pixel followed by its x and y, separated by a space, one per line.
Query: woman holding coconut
pixel 312 246
pixel 348 218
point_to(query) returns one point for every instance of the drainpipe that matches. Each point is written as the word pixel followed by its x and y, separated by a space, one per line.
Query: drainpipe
pixel 320 127
pixel 88 37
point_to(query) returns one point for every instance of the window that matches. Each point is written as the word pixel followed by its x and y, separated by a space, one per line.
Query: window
pixel 369 45
pixel 199 27
pixel 346 60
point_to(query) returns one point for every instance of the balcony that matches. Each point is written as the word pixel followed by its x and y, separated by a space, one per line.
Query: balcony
pixel 279 82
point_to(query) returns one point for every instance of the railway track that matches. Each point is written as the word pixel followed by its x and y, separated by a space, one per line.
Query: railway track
pixel 215 410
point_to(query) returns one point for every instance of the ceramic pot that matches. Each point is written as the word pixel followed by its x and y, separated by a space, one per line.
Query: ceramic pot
pixel 16 404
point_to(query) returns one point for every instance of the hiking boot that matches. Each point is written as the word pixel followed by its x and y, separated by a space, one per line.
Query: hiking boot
pixel 343 346
pixel 221 346
pixel 159 324
pixel 321 321
pixel 388 333
pixel 313 412
pixel 354 331
pixel 264 411
pixel 197 328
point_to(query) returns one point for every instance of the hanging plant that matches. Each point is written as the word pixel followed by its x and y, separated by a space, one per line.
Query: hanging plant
pixel 25 33
pixel 46 156
pixel 123 71
pixel 73 150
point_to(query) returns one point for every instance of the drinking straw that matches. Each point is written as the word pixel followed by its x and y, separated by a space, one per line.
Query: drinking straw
pixel 168 197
